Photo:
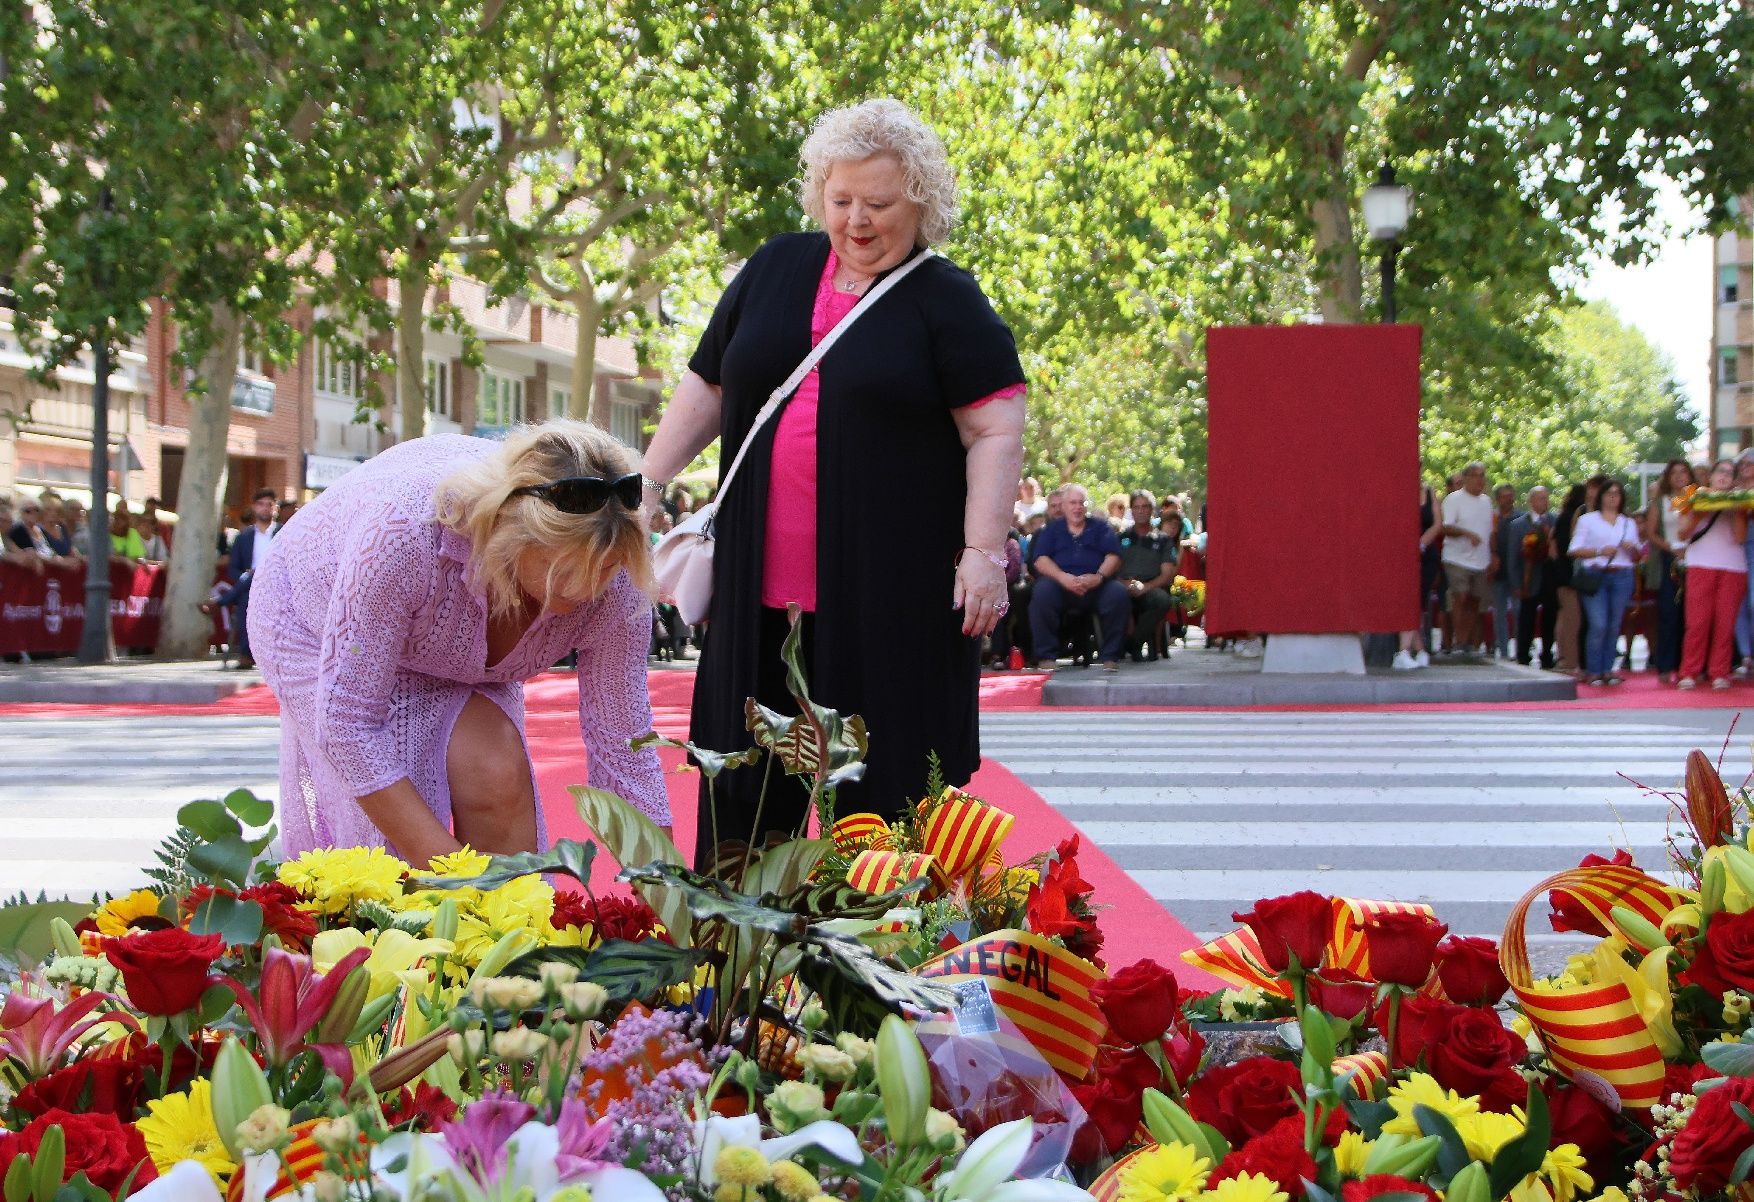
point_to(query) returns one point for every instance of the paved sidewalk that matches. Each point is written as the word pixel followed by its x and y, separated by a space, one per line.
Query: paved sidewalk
pixel 125 682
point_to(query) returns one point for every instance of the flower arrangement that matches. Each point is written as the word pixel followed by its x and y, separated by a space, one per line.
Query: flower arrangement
pixel 1711 500
pixel 1189 594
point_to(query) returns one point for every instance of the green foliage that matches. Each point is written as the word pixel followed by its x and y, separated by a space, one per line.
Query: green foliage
pixel 567 857
pixel 630 972
pixel 632 838
pixel 25 933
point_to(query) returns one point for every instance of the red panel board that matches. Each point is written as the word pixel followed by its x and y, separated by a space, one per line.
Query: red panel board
pixel 1313 479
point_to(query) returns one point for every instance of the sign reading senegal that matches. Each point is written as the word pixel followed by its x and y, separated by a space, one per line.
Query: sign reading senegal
pixel 1038 985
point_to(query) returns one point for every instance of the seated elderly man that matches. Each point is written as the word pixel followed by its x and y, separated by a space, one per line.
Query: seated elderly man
pixel 1148 560
pixel 1075 561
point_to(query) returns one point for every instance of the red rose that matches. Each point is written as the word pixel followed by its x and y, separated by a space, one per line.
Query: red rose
pixel 1402 947
pixel 1340 993
pixel 1139 1001
pixel 1298 924
pixel 1474 1054
pixel 1420 1021
pixel 1058 906
pixel 95 1085
pixel 1706 1149
pixel 1383 1183
pixel 1580 1117
pixel 1278 1155
pixel 1568 914
pixel 1725 960
pixel 1130 1070
pixel 1245 1099
pixel 1111 1117
pixel 1183 1051
pixel 164 972
pixel 102 1147
pixel 1467 968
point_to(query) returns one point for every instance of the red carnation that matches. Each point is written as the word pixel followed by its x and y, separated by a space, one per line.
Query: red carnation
pixel 101 1146
pixel 284 915
pixel 626 918
pixel 164 972
pixel 1383 1183
pixel 421 1109
pixel 1467 967
pixel 1245 1099
pixel 1402 947
pixel 1568 913
pixel 1140 1001
pixel 1706 1149
pixel 1297 924
pixel 1279 1154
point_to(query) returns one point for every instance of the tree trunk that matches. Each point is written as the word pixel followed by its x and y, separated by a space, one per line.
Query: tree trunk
pixel 1339 279
pixel 584 356
pixel 411 353
pixel 184 631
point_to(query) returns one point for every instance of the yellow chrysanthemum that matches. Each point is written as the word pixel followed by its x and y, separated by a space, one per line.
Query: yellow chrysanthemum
pixel 1232 1002
pixel 1351 1153
pixel 737 1164
pixel 1485 1133
pixel 1567 1173
pixel 1421 1089
pixel 794 1182
pixel 1246 1187
pixel 337 878
pixel 465 861
pixel 180 1126
pixel 521 905
pixel 1166 1171
pixel 1612 1194
pixel 118 917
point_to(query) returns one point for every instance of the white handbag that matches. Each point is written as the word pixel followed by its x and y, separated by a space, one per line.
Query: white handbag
pixel 683 558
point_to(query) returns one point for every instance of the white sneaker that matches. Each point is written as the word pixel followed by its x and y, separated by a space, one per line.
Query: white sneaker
pixel 1249 649
pixel 1422 659
pixel 1404 662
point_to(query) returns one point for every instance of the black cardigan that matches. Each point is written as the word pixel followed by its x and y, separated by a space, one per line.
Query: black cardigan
pixel 891 487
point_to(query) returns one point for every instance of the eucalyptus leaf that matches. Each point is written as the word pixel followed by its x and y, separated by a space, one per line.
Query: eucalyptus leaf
pixel 236 920
pixel 227 859
pixel 209 819
pixel 1730 1059
pixel 250 809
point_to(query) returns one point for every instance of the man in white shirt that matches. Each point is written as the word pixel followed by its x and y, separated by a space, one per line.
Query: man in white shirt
pixel 1467 553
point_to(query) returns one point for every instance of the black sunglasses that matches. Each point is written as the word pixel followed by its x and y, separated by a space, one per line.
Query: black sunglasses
pixel 587 494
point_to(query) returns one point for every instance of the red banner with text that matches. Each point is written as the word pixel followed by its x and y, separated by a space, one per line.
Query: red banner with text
pixel 42 613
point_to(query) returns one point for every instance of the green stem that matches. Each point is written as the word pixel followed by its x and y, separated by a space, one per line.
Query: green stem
pixel 1394 1025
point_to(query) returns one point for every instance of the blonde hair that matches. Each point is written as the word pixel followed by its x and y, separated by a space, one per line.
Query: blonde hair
pixel 584 551
pixel 856 133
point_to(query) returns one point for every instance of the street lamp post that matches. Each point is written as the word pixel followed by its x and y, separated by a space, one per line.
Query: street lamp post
pixel 1388 206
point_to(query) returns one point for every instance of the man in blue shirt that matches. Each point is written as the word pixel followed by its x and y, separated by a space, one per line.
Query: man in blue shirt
pixel 1075 561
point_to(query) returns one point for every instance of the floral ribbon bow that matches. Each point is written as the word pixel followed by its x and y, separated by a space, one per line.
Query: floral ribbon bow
pixel 960 838
pixel 1236 958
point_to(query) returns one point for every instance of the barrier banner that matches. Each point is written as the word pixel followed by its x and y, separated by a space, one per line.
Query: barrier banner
pixel 45 613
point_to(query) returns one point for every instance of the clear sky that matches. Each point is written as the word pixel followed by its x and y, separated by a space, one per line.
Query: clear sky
pixel 1669 298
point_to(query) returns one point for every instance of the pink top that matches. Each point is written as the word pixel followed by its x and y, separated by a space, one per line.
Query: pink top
pixel 789 559
pixel 372 634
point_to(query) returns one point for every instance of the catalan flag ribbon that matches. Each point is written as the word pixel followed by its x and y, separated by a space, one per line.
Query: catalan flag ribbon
pixel 961 834
pixel 875 871
pixel 857 831
pixel 301 1161
pixel 1039 986
pixel 1595 1028
pixel 1236 958
pixel 1107 1187
pixel 1368 1069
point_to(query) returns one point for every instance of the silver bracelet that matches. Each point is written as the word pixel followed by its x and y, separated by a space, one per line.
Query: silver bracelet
pixel 998 560
pixel 657 486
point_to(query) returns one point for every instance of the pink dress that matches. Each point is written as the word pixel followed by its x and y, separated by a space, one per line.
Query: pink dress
pixel 369 631
pixel 789 550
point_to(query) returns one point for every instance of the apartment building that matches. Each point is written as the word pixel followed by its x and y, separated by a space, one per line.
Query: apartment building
pixel 1732 333
pixel 293 427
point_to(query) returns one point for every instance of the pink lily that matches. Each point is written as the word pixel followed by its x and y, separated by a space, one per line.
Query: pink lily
pixel 38 1035
pixel 292 1000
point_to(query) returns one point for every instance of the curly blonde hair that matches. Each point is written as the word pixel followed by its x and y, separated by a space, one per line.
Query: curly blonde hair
pixel 583 551
pixel 853 134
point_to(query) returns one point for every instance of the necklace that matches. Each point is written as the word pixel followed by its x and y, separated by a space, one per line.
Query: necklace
pixel 854 285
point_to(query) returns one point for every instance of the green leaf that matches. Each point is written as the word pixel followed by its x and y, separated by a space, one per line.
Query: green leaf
pixel 236 920
pixel 632 838
pixel 24 927
pixel 1744 1166
pixel 1524 1154
pixel 1730 1059
pixel 710 763
pixel 567 857
pixel 858 990
pixel 250 809
pixel 1453 1156
pixel 209 819
pixel 631 972
pixel 226 859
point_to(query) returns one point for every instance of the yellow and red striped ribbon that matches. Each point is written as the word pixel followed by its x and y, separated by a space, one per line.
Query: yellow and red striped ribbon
pixel 874 871
pixel 857 831
pixel 1107 1187
pixel 963 833
pixel 1348 949
pixel 1235 959
pixel 1371 1069
pixel 302 1161
pixel 1041 987
pixel 1594 1028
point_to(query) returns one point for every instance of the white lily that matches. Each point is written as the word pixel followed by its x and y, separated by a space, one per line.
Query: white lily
pixel 717 1132
pixel 185 1181
pixel 983 1174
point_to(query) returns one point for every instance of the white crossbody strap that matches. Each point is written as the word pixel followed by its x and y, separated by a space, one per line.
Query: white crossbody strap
pixel 778 396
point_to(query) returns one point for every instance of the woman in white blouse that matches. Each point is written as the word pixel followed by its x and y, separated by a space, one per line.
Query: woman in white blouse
pixel 1605 540
pixel 1717 579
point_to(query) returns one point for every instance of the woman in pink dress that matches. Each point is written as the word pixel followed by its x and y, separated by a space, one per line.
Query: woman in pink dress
pixel 397 616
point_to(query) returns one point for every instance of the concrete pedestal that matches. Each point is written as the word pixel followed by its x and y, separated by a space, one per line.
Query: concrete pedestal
pixel 1308 653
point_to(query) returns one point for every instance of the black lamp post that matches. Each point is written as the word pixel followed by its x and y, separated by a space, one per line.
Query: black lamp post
pixel 1388 207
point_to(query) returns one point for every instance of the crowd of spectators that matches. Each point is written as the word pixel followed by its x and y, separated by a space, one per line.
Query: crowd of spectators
pixel 1572 587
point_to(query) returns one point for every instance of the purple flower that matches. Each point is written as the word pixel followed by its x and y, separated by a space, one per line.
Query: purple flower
pixel 583 1143
pixel 477 1141
pixel 655 1116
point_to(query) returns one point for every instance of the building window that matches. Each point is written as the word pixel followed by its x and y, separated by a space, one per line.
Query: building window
pixel 1726 366
pixel 250 358
pixel 337 376
pixel 500 402
pixel 624 421
pixel 1728 289
pixel 438 388
pixel 559 401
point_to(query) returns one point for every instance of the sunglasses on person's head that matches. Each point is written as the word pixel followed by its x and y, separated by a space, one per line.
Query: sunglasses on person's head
pixel 586 494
